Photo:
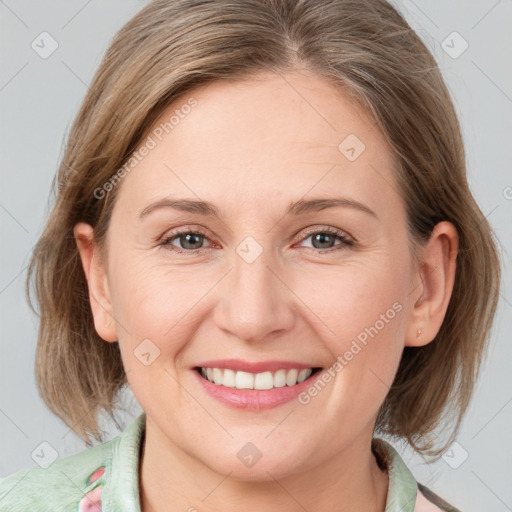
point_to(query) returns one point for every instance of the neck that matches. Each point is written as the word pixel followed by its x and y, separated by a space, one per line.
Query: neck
pixel 169 477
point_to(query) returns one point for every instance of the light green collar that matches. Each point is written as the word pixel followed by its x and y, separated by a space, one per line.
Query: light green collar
pixel 122 491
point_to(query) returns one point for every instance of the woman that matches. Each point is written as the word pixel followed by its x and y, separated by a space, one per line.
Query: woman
pixel 263 227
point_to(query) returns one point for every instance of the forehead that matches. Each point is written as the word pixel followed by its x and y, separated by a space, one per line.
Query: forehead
pixel 268 137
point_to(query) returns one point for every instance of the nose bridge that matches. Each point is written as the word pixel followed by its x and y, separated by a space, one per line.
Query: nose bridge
pixel 256 302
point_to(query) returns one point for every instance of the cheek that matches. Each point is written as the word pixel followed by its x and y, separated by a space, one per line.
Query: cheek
pixel 148 305
pixel 359 311
pixel 162 304
pixel 354 300
pixel 153 310
pixel 358 300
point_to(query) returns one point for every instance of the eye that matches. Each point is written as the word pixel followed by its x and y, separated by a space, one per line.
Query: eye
pixel 326 237
pixel 190 241
pixel 322 240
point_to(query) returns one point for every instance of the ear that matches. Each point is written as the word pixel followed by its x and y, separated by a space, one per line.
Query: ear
pixel 99 295
pixel 435 278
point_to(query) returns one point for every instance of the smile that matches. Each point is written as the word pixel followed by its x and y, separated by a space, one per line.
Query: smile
pixel 258 381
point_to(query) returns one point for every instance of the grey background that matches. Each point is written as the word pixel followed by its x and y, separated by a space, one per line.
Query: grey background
pixel 38 100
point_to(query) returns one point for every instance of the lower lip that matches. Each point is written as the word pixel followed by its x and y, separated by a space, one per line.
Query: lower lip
pixel 255 399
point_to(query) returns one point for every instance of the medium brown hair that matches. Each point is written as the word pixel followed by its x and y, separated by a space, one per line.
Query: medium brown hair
pixel 369 51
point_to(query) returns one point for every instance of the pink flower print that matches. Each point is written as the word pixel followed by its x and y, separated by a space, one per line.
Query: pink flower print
pixel 97 474
pixel 91 502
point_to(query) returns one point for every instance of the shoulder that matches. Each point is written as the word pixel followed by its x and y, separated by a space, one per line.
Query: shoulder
pixel 405 494
pixel 63 483
pixel 76 482
pixel 428 500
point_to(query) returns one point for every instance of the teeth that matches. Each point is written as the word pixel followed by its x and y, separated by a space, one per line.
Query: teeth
pixel 303 375
pixel 229 379
pixel 280 379
pixel 291 377
pixel 244 380
pixel 264 380
pixel 218 376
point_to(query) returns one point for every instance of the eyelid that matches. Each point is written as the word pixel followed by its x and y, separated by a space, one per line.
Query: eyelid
pixel 327 229
pixel 183 230
pixel 346 239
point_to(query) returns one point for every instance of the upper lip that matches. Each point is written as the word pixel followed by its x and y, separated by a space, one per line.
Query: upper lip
pixel 254 367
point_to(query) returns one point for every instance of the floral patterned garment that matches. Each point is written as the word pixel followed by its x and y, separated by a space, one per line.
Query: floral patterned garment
pixel 104 478
pixel 91 502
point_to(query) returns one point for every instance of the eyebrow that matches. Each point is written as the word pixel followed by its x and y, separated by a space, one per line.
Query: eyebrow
pixel 299 207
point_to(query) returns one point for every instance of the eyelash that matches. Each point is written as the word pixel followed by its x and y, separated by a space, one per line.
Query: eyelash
pixel 340 235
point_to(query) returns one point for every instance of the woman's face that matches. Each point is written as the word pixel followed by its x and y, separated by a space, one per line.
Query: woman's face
pixel 279 275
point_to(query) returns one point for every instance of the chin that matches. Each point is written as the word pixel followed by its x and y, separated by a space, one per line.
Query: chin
pixel 265 469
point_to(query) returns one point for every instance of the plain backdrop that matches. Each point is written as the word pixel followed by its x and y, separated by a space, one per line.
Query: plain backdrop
pixel 39 98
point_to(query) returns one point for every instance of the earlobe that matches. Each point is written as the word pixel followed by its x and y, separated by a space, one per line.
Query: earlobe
pixel 433 287
pixel 99 295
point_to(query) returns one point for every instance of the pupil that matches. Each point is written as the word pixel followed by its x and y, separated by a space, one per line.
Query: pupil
pixel 321 237
pixel 188 238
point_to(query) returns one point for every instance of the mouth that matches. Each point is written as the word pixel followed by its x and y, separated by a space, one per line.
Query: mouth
pixel 266 380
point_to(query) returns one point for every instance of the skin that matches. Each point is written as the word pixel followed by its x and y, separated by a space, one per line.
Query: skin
pixel 251 147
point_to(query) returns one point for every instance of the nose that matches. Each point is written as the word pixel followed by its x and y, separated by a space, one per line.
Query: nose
pixel 257 302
